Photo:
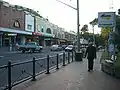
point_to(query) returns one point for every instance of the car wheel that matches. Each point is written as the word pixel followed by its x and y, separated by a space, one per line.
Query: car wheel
pixel 23 51
pixel 40 50
pixel 31 51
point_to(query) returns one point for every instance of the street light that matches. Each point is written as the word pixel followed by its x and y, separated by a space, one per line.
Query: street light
pixel 78 36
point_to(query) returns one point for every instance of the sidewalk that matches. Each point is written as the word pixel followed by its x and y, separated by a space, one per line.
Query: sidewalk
pixel 6 50
pixel 73 77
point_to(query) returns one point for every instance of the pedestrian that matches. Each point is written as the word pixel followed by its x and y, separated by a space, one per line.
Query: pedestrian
pixel 91 55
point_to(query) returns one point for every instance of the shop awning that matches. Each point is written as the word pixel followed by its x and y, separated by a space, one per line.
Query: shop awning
pixel 15 31
pixel 62 40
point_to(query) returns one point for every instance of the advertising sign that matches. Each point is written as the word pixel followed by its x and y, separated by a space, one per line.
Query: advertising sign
pixel 106 19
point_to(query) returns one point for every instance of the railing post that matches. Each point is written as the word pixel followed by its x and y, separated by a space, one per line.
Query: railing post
pixel 33 76
pixel 68 57
pixel 57 62
pixel 72 56
pixel 63 59
pixel 9 76
pixel 48 72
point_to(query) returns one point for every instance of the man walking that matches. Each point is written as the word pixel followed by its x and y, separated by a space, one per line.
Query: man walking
pixel 91 55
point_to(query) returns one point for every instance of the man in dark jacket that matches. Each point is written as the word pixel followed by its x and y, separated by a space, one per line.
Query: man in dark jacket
pixel 91 55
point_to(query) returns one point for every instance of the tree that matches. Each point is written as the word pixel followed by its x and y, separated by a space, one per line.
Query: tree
pixel 105 33
pixel 84 28
pixel 94 22
pixel 98 40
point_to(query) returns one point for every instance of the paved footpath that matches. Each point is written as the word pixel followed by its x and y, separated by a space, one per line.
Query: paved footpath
pixel 73 77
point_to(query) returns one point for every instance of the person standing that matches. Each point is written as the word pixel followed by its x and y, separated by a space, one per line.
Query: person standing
pixel 91 55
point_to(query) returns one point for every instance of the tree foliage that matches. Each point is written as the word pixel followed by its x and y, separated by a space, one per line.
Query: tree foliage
pixel 105 33
pixel 94 22
pixel 84 28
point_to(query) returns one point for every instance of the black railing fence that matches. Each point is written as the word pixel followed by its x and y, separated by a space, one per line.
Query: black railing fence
pixel 14 74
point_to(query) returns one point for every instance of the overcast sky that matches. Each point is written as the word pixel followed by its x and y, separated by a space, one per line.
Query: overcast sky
pixel 64 16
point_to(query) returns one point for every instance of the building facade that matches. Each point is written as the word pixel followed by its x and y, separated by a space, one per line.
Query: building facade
pixel 19 25
pixel 12 25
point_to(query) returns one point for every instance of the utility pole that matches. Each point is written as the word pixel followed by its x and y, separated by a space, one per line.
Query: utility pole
pixel 78 32
pixel 78 35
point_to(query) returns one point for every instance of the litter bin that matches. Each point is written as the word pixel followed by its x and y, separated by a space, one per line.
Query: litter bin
pixel 78 56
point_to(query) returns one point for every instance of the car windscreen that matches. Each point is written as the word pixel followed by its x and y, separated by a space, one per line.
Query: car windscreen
pixel 30 43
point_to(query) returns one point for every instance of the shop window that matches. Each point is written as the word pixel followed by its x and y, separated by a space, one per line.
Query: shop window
pixel 48 30
pixel 16 24
pixel 38 28
pixel 29 27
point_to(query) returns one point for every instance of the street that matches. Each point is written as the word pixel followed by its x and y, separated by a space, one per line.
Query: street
pixel 16 57
pixel 22 71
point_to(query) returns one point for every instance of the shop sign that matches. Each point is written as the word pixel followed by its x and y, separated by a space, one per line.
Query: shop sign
pixel 36 33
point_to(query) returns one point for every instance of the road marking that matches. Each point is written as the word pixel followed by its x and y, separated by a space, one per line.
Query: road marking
pixel 1 57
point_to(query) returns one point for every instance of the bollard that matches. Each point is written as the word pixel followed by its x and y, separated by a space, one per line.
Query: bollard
pixel 33 76
pixel 9 76
pixel 48 72
pixel 57 62
pixel 63 59
pixel 68 57
pixel 72 56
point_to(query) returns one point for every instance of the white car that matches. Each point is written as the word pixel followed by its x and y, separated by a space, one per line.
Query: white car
pixel 69 48
pixel 56 48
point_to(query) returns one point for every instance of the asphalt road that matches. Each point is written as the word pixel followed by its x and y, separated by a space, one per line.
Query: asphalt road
pixel 16 57
pixel 24 70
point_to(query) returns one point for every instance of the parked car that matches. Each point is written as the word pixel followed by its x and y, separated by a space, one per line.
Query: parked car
pixel 69 48
pixel 64 46
pixel 30 46
pixel 56 48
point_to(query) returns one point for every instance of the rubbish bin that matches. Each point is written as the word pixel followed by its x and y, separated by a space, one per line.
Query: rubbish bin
pixel 78 56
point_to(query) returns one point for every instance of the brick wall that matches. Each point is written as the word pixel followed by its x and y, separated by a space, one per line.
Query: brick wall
pixel 8 16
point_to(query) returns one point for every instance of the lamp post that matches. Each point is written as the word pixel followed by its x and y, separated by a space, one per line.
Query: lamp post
pixel 78 35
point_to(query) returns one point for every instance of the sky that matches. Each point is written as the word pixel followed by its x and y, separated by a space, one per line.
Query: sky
pixel 66 17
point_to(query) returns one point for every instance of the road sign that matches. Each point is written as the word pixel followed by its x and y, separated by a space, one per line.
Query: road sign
pixel 106 19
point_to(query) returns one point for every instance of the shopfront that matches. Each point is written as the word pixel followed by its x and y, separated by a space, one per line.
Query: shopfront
pixel 48 38
pixel 12 36
pixel 9 38
pixel 38 37
pixel 48 41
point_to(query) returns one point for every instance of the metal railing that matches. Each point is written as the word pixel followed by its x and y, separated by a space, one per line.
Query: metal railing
pixel 20 72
